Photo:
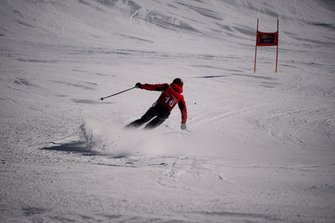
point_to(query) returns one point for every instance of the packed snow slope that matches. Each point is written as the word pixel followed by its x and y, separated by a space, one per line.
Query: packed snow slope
pixel 260 146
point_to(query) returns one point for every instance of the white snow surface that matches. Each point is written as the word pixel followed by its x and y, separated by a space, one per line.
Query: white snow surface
pixel 261 146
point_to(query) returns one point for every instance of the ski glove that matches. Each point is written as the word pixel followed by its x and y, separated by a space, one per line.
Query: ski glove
pixel 138 85
pixel 183 126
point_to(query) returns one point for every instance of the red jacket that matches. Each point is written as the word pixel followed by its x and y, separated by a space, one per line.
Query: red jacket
pixel 171 95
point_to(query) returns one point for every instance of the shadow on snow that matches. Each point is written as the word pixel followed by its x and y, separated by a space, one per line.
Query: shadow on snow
pixel 72 147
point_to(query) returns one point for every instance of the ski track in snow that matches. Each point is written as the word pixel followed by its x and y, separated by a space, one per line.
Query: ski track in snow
pixel 261 146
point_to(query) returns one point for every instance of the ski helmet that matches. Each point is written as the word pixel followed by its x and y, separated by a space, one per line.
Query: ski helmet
pixel 178 81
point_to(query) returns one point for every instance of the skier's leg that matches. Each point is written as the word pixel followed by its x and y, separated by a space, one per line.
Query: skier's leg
pixel 155 123
pixel 145 118
pixel 162 115
pixel 135 124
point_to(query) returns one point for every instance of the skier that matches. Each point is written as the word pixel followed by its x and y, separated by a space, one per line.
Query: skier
pixel 160 110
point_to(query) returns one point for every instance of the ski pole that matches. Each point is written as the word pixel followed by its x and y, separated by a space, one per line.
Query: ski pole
pixel 188 130
pixel 117 93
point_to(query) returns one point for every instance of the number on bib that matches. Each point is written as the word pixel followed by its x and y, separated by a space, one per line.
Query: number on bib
pixel 170 101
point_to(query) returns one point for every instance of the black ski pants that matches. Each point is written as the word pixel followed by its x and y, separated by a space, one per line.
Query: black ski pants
pixel 157 114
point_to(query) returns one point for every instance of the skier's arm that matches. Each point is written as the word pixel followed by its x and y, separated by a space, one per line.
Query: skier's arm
pixel 183 110
pixel 153 87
